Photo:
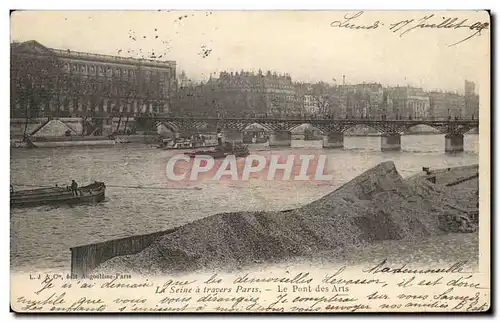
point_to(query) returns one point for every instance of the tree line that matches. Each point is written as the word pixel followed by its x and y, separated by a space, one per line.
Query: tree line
pixel 38 80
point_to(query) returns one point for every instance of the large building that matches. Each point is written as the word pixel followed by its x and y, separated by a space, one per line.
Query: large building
pixel 470 88
pixel 364 100
pixel 88 84
pixel 471 101
pixel 405 102
pixel 240 93
pixel 313 98
pixel 446 105
pixel 311 104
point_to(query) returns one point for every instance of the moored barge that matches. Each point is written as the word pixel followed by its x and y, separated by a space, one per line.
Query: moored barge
pixel 90 194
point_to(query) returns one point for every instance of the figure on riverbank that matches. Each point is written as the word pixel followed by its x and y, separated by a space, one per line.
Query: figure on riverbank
pixel 74 187
pixel 219 138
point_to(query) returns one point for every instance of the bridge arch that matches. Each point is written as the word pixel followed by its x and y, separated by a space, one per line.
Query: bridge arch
pixel 474 130
pixel 304 127
pixel 204 126
pixel 167 126
pixel 439 128
pixel 256 127
pixel 167 129
pixel 358 128
pixel 256 133
pixel 422 129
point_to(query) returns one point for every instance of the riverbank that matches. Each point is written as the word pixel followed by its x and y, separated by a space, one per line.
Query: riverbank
pixel 83 141
pixel 374 207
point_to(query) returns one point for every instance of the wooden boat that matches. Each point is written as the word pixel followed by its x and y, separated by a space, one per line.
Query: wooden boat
pixel 20 143
pixel 93 193
pixel 238 150
pixel 216 154
pixel 184 145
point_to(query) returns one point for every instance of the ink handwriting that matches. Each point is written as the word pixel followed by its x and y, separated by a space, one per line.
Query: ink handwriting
pixel 431 21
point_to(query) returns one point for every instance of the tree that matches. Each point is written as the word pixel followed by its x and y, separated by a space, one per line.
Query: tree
pixel 146 89
pixel 91 90
pixel 33 81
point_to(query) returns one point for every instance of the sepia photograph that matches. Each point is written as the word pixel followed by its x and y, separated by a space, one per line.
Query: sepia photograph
pixel 249 161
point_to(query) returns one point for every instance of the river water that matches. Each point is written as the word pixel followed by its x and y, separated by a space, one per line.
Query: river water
pixel 41 237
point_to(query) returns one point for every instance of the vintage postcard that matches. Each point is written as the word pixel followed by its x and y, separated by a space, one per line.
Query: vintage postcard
pixel 250 161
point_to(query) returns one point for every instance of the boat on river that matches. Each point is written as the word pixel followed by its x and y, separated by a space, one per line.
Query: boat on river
pixel 22 143
pixel 222 151
pixel 169 144
pixel 90 194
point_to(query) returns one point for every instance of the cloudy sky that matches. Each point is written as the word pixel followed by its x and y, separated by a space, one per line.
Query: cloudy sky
pixel 301 43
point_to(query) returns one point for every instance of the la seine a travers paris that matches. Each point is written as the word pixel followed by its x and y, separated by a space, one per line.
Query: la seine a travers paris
pixel 164 143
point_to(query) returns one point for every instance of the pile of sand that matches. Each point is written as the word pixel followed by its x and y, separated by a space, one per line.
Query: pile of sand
pixel 377 205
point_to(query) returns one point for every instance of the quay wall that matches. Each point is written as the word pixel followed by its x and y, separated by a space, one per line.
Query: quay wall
pixel 140 138
pixel 87 257
pixel 74 141
pixel 59 144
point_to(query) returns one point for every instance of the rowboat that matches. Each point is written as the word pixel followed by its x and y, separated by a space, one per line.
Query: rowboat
pixel 90 194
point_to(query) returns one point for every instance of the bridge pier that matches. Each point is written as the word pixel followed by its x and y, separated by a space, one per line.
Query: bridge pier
pixel 454 143
pixel 333 140
pixel 232 136
pixel 280 138
pixel 390 142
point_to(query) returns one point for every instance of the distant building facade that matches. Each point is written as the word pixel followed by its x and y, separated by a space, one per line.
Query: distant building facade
pixel 344 101
pixel 405 102
pixel 446 105
pixel 364 100
pixel 471 101
pixel 311 104
pixel 470 88
pixel 308 98
pixel 183 81
pixel 103 85
pixel 241 93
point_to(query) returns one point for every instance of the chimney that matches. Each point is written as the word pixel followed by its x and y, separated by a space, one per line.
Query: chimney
pixel 343 79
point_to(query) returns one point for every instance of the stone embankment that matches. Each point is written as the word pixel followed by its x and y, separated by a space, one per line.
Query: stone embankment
pixel 463 182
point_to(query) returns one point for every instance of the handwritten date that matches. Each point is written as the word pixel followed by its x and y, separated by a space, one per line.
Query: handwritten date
pixel 347 23
pixel 404 26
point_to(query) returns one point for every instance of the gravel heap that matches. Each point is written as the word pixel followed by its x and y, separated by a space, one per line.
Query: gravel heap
pixel 377 205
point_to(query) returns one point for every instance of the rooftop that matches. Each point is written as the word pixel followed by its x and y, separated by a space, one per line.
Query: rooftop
pixel 39 48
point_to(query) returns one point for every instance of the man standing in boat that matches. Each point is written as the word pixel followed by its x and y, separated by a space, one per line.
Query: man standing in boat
pixel 74 187
pixel 219 138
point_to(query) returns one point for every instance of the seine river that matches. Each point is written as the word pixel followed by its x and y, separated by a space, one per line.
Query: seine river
pixel 41 237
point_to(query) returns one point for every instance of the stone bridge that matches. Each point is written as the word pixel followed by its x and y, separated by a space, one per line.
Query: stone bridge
pixel 332 130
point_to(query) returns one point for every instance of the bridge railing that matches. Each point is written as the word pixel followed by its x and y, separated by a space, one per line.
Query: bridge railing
pixel 305 118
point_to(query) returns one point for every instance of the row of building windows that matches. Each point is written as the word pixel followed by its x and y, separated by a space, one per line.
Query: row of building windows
pixel 101 105
pixel 283 97
pixel 418 104
pixel 108 71
pixel 259 84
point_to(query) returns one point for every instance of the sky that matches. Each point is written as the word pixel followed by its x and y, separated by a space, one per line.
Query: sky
pixel 303 44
